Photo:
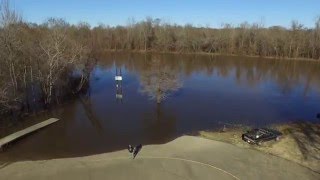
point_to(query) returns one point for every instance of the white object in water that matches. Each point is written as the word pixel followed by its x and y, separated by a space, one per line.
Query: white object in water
pixel 118 78
pixel 119 96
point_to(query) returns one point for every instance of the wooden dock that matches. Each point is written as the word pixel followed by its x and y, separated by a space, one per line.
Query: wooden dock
pixel 19 134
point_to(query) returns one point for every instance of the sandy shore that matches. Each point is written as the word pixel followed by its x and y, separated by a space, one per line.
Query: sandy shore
pixel 187 157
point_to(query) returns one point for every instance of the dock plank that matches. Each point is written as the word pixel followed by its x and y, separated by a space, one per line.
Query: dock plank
pixel 26 131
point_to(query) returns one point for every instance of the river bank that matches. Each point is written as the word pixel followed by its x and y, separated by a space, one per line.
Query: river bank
pixel 300 142
pixel 205 54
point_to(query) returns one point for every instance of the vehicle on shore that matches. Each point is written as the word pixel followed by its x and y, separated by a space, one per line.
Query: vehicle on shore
pixel 258 136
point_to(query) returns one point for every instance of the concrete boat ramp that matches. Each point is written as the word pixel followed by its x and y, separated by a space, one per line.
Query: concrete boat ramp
pixel 184 158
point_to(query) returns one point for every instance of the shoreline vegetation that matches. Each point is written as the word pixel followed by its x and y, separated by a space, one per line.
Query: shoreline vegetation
pixel 300 142
pixel 42 64
pixel 206 54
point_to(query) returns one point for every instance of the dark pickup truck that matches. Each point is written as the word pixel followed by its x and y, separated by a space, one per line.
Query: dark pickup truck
pixel 258 136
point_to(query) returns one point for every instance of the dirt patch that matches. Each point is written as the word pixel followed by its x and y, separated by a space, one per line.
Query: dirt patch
pixel 300 142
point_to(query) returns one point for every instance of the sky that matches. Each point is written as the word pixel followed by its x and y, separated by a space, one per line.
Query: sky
pixel 211 13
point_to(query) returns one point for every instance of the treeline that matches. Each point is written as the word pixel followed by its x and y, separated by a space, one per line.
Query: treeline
pixel 245 39
pixel 42 62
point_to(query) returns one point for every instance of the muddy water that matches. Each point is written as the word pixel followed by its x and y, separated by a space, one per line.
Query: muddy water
pixel 163 96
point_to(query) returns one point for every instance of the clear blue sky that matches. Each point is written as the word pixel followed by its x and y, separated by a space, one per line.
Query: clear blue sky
pixel 197 12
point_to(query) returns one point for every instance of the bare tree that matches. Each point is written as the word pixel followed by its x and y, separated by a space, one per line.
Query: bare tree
pixel 10 44
pixel 57 54
pixel 8 16
pixel 159 81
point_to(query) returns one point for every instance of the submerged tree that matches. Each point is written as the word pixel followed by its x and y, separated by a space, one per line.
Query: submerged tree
pixel 158 81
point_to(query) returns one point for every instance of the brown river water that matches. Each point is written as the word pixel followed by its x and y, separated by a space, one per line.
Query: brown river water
pixel 163 96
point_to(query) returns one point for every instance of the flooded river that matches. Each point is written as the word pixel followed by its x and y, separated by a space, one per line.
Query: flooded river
pixel 163 96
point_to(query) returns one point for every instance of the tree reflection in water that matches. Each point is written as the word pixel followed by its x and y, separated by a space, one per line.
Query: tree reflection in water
pixel 160 124
pixel 159 81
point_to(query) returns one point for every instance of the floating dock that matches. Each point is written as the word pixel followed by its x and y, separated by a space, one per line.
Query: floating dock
pixel 26 131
